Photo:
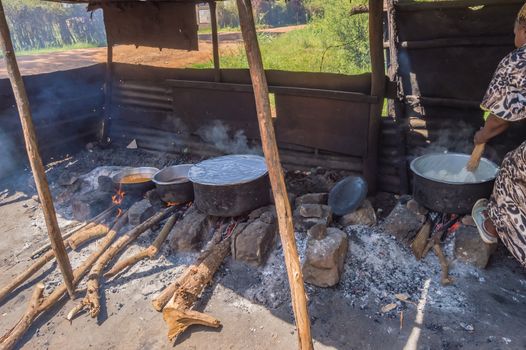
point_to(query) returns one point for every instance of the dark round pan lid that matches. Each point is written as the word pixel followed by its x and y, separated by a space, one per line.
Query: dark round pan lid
pixel 347 195
pixel 228 170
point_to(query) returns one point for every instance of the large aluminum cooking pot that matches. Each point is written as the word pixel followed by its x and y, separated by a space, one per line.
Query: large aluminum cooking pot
pixel 230 185
pixel 173 184
pixel 436 189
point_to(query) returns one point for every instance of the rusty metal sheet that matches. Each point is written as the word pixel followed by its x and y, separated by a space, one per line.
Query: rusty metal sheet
pixel 332 125
pixel 199 107
pixel 153 24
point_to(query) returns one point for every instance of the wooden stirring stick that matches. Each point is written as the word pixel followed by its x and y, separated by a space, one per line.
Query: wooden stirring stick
pixel 474 160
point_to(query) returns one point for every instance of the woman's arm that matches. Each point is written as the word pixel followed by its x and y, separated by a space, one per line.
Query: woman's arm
pixel 493 127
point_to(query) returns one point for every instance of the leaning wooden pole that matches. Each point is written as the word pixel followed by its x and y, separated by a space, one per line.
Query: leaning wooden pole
pixel 376 48
pixel 279 190
pixel 215 40
pixel 37 166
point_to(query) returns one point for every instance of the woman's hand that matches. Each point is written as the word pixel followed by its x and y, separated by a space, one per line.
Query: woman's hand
pixel 493 127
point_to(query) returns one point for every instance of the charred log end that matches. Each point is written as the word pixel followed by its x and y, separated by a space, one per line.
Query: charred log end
pixel 178 321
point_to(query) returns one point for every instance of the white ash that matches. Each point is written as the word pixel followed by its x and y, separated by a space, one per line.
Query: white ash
pixel 273 291
pixel 378 267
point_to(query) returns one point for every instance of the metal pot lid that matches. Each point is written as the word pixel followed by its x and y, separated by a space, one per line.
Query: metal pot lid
pixel 228 170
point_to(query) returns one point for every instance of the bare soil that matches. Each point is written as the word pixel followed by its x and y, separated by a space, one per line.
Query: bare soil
pixel 482 310
pixel 230 42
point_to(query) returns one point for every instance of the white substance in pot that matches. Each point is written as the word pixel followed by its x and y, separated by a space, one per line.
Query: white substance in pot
pixel 464 176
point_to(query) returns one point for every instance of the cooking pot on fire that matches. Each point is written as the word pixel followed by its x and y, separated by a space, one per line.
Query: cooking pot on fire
pixel 173 185
pixel 135 180
pixel 230 185
pixel 442 183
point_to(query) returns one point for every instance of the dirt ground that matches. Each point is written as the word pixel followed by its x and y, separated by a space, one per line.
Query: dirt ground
pixel 484 309
pixel 230 42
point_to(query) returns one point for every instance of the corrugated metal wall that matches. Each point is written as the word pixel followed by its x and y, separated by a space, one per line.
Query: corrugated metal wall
pixel 66 108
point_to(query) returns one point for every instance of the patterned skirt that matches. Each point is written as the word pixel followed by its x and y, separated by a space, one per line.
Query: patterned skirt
pixel 507 206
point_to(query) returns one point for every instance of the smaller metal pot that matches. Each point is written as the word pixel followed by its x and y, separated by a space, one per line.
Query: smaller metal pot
pixel 135 187
pixel 173 184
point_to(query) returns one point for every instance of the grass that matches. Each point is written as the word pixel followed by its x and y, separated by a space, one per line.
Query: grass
pixel 54 49
pixel 304 50
pixel 219 30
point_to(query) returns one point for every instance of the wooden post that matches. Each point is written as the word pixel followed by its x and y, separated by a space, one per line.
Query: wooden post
pixel 279 190
pixel 108 90
pixel 215 40
pixel 377 89
pixel 37 166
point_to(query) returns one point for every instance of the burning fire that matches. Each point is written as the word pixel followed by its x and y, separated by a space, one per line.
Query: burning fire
pixel 172 204
pixel 118 197
pixel 455 227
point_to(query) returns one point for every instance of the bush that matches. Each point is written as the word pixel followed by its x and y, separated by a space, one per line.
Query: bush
pixel 38 24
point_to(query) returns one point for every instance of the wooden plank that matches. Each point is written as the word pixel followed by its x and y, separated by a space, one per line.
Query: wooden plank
pixel 332 125
pixel 289 90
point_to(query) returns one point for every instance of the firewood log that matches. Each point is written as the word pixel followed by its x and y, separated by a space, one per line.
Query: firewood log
pixel 96 220
pixel 162 299
pixel 92 298
pixel 150 252
pixel 177 313
pixel 9 339
pixel 82 236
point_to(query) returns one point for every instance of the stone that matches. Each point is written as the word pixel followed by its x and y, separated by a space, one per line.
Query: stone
pixel 416 208
pixel 365 215
pixel 140 212
pixel 325 258
pixel 311 210
pixel 318 231
pixel 403 224
pixel 253 240
pixel 87 205
pixel 302 223
pixel 312 198
pixel 189 233
pixel 471 249
pixel 106 184
pixel 67 178
pixel 153 197
pixel 269 209
pixel 468 221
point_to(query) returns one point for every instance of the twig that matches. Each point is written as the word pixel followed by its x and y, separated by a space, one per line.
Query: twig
pixel 445 279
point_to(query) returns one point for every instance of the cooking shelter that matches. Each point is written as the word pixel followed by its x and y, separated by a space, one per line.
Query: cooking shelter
pixel 321 120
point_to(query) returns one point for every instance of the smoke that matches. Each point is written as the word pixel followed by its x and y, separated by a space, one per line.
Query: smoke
pixel 222 138
pixel 8 153
pixel 454 138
